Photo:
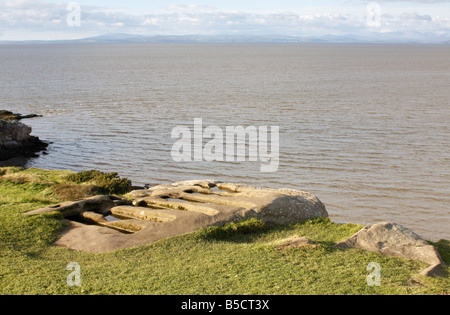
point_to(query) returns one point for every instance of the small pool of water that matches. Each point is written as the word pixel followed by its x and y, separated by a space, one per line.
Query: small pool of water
pixel 113 218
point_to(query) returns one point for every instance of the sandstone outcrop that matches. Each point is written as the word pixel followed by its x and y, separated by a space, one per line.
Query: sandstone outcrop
pixel 236 200
pixel 169 210
pixel 105 223
pixel 395 240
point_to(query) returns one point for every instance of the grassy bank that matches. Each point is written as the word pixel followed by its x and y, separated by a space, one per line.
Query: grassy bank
pixel 235 259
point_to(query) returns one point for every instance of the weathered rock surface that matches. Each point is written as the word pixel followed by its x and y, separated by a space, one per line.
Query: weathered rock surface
pixel 101 204
pixel 16 139
pixel 394 240
pixel 236 200
pixel 168 210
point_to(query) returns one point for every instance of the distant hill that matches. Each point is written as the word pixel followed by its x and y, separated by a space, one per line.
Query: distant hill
pixel 134 38
pixel 116 37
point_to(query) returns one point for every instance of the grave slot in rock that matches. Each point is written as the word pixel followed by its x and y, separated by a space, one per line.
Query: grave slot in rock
pixel 107 221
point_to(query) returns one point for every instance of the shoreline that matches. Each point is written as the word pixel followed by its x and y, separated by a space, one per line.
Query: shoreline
pixel 20 156
pixel 21 162
pixel 316 250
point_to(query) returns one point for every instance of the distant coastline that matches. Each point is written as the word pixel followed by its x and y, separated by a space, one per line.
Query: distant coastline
pixel 118 38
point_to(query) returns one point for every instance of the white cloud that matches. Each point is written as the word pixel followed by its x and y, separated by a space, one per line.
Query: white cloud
pixel 38 16
pixel 416 17
pixel 151 21
pixel 190 8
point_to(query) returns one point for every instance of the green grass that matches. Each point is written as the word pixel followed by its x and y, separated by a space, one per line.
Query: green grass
pixel 107 183
pixel 239 258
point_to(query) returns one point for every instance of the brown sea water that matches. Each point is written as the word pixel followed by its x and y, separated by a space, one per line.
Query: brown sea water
pixel 363 127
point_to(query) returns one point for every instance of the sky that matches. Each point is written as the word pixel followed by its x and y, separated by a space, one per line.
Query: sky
pixel 418 20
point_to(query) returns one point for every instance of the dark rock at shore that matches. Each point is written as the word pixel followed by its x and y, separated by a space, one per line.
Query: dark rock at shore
pixel 16 139
pixel 27 148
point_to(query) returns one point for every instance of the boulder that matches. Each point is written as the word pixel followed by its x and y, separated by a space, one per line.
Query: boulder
pixel 14 131
pixel 16 140
pixel 392 239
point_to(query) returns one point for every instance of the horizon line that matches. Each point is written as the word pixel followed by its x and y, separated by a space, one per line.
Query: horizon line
pixel 231 38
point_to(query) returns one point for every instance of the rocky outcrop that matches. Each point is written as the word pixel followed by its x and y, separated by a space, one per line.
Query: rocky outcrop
pixel 16 139
pixel 106 223
pixel 395 240
pixel 239 201
pixel 169 210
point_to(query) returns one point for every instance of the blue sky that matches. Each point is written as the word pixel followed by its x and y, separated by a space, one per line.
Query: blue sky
pixel 423 20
